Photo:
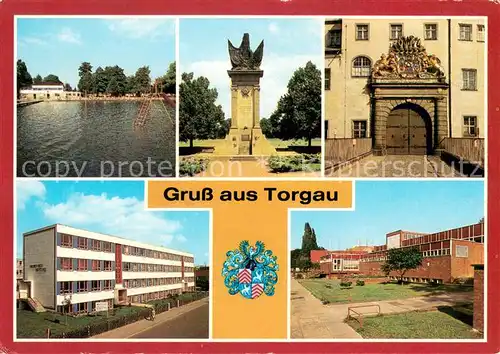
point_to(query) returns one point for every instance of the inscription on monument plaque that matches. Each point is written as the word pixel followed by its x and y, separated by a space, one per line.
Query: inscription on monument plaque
pixel 245 137
pixel 245 112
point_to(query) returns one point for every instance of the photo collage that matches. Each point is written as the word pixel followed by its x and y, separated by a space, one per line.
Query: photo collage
pixel 168 171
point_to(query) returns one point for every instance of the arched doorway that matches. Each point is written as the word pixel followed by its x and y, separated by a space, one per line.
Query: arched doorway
pixel 409 131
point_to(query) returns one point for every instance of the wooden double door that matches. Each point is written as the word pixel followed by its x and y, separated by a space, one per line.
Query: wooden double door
pixel 407 133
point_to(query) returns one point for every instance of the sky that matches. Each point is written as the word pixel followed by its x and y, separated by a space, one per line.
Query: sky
pixel 59 45
pixel 288 45
pixel 113 207
pixel 384 206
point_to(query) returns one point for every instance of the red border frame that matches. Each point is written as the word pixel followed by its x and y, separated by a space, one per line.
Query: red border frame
pixel 9 8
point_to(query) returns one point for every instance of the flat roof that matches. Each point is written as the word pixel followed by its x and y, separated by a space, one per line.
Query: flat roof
pixel 113 239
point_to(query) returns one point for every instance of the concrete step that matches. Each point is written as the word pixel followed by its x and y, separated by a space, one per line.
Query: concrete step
pixel 243 158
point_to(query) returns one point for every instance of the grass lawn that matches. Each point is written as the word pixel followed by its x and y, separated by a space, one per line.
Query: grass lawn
pixel 277 143
pixel 415 325
pixel 34 325
pixel 329 290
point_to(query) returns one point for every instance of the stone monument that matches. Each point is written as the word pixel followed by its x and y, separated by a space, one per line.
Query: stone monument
pixel 245 135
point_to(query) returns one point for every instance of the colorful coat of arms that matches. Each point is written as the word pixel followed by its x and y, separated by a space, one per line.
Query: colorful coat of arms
pixel 250 270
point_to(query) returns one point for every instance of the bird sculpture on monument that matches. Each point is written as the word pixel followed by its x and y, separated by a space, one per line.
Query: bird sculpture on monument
pixel 242 57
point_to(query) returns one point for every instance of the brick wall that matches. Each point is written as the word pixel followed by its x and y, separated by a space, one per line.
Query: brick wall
pixel 462 267
pixel 432 268
pixel 478 318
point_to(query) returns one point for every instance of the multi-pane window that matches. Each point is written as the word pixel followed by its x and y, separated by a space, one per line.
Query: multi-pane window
pixel 65 287
pixel 96 245
pixel 480 33
pixel 469 79
pixel 470 126
pixel 66 264
pixel 66 240
pixel 465 32
pixel 430 31
pixel 107 285
pixel 106 247
pixel 108 265
pixel 327 78
pixel 96 285
pixel 82 307
pixel 82 286
pixel 82 243
pixel 362 32
pixel 359 129
pixel 462 251
pixel 96 265
pixel 361 67
pixel 335 39
pixel 82 264
pixel 396 31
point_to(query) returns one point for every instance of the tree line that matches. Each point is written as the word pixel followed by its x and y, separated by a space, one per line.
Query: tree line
pixel 111 80
pixel 297 115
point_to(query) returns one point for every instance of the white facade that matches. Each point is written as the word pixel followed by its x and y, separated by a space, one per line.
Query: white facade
pixel 48 91
pixel 64 263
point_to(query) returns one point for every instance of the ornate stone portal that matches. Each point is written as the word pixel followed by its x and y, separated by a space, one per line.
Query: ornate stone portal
pixel 408 78
pixel 245 135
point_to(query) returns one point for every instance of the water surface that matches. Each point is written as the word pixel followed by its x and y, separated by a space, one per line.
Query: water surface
pixel 94 139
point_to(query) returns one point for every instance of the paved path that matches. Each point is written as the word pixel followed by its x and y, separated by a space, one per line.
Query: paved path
pixel 312 320
pixel 191 324
pixel 188 321
pixel 397 166
pixel 255 168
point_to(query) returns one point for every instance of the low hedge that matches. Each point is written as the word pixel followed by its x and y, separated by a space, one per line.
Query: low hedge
pixel 295 163
pixel 192 166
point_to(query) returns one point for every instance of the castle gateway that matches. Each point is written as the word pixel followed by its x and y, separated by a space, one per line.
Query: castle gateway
pixel 409 100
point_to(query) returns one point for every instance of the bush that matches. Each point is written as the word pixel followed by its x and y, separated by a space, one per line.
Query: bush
pixel 345 284
pixel 325 302
pixel 192 166
pixel 328 286
pixel 360 283
pixel 295 163
pixel 463 281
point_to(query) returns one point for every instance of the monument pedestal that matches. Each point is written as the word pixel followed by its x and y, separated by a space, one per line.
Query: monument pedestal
pixel 245 135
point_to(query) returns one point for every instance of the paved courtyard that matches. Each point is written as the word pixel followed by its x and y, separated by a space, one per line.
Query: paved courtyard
pixel 313 320
pixel 396 166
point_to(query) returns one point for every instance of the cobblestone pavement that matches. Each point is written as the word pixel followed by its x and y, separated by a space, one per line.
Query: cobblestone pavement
pixel 397 166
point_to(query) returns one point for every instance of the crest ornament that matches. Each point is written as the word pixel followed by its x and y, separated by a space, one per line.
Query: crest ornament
pixel 408 59
pixel 245 91
pixel 250 270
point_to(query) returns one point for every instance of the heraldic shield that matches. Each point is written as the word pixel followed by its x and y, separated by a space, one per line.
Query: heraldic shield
pixel 250 270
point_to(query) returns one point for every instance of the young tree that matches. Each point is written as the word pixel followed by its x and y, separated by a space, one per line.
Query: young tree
pixel 52 78
pixel 169 79
pixel 199 116
pixel 100 81
pixel 85 85
pixel 38 79
pixel 23 76
pixel 401 260
pixel 298 115
pixel 267 128
pixel 143 79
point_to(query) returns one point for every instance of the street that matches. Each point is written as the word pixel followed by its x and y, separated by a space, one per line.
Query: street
pixel 191 324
